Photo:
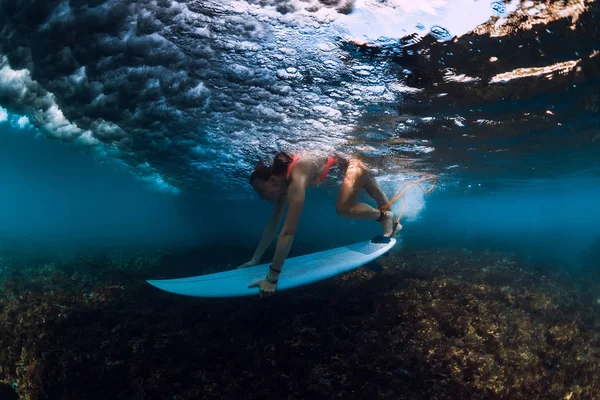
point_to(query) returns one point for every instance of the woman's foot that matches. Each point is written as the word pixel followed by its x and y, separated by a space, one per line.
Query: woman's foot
pixel 388 223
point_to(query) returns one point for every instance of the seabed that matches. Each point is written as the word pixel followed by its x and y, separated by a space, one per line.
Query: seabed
pixel 450 324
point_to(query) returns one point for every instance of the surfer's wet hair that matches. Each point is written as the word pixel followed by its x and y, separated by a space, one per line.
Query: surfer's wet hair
pixel 261 171
pixel 279 167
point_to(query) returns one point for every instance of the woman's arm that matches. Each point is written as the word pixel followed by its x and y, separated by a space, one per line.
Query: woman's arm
pixel 296 195
pixel 270 231
pixel 296 192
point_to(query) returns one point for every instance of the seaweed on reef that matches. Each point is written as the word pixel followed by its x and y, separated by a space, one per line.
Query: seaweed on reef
pixel 432 325
pixel 7 392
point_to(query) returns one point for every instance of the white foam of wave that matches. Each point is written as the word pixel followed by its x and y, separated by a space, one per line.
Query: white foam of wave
pixel 263 82
pixel 372 20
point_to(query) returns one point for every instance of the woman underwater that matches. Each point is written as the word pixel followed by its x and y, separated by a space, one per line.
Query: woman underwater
pixel 284 183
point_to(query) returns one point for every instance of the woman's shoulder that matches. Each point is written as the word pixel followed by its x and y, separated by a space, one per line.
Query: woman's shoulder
pixel 304 164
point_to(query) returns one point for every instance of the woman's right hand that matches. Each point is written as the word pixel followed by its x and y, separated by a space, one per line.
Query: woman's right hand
pixel 250 263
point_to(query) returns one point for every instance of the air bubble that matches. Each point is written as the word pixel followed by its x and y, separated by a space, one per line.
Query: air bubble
pixel 498 7
pixel 440 33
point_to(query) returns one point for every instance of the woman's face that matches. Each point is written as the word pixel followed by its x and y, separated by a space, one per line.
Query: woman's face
pixel 270 189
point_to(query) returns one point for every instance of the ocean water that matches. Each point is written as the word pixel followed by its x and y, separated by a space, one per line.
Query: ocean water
pixel 59 200
pixel 134 126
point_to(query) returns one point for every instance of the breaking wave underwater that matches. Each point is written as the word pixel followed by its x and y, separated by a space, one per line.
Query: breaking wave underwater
pixel 498 100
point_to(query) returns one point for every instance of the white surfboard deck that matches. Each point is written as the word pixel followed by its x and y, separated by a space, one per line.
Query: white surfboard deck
pixel 297 271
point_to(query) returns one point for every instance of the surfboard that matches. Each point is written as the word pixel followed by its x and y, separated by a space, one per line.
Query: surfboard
pixel 297 271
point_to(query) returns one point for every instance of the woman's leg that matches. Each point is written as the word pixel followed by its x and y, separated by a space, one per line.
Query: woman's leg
pixel 358 176
pixel 374 190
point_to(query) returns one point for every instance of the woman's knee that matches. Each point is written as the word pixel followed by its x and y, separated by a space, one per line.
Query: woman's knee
pixel 342 210
pixel 356 174
pixel 355 163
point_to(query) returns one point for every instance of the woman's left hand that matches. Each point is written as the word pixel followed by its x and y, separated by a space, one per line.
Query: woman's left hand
pixel 265 287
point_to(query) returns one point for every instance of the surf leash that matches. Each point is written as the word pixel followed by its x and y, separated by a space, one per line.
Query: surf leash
pixel 404 188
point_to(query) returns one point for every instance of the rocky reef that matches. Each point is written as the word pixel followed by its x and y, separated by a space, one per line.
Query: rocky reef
pixel 449 324
pixel 516 86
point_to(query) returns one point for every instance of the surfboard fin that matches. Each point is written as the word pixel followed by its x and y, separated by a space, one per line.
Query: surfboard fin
pixel 373 266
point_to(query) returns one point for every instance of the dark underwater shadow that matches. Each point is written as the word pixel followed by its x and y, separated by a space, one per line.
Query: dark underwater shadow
pixel 418 330
pixel 337 337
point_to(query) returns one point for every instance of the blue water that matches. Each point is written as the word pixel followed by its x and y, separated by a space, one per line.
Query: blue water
pixel 146 139
pixel 57 199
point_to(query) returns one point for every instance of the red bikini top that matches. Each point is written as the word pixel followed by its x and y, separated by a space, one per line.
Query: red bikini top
pixel 331 161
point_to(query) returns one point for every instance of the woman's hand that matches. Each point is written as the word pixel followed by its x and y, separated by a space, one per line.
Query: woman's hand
pixel 266 288
pixel 250 263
